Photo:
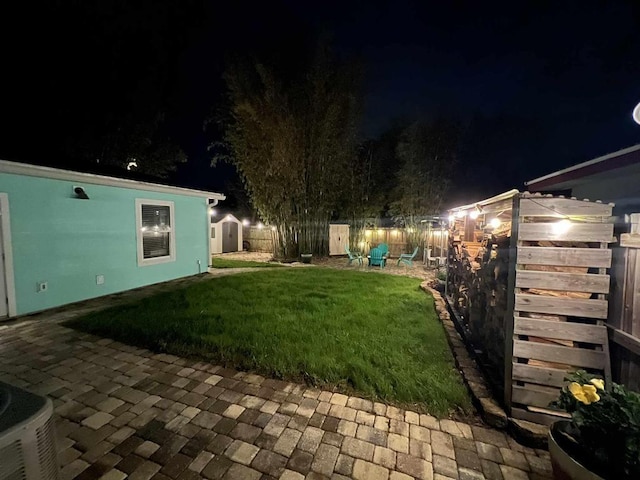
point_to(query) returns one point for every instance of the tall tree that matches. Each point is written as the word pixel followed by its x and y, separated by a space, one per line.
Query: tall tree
pixel 371 179
pixel 427 154
pixel 292 136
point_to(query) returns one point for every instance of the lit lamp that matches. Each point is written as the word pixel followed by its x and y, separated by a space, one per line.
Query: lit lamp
pixel 475 213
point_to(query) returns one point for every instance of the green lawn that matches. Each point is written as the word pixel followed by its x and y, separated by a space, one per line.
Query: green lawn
pixel 224 263
pixel 373 334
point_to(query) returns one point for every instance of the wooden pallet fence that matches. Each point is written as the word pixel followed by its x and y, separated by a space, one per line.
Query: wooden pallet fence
pixel 561 283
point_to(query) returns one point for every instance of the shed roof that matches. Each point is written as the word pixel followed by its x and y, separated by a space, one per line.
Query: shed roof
pixel 219 217
pixel 569 177
pixel 17 168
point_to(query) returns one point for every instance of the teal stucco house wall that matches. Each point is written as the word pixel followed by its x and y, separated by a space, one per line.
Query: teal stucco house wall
pixel 59 247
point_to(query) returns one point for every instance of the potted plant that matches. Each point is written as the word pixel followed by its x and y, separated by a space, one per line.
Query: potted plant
pixel 306 257
pixel 602 439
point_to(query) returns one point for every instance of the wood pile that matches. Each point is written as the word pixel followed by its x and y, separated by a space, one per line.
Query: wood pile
pixel 534 304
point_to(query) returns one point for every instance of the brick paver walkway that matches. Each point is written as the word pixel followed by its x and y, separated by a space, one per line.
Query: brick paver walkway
pixel 127 412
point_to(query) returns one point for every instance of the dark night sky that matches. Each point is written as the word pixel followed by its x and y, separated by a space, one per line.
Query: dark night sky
pixel 541 85
pixel 554 81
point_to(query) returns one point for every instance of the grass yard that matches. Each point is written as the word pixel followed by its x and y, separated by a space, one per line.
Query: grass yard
pixel 217 262
pixel 373 334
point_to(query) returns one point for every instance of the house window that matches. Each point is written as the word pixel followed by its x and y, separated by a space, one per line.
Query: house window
pixel 155 231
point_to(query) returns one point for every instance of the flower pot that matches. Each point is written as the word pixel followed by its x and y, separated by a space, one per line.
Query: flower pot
pixel 306 257
pixel 565 467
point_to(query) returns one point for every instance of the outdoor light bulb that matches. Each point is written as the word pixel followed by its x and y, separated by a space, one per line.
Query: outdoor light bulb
pixel 636 114
pixel 451 219
pixel 245 222
pixel 212 211
pixel 474 214
pixel 495 222
pixel 561 227
pixel 260 225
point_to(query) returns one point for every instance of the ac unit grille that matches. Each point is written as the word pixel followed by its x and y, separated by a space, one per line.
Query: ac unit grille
pixel 45 440
pixel 27 437
pixel 12 465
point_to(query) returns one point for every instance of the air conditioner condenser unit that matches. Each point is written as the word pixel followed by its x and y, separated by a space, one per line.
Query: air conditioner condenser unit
pixel 27 438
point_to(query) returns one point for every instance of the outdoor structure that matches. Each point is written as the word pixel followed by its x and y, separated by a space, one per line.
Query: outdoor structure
pixel 226 234
pixel 613 178
pixel 338 238
pixel 436 242
pixel 527 280
pixel 69 236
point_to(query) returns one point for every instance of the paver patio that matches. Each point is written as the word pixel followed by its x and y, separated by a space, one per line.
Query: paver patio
pixel 125 412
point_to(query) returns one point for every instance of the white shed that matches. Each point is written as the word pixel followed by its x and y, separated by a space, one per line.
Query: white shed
pixel 226 234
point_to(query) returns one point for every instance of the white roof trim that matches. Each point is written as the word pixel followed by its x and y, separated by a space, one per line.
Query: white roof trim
pixel 16 168
pixel 584 164
pixel 227 218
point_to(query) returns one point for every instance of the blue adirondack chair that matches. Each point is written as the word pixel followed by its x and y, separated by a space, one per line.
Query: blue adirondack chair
pixel 384 248
pixel 376 258
pixel 407 258
pixel 353 256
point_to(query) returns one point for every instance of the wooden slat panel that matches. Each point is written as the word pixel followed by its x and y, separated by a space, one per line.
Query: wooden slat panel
pixel 544 376
pixel 577 357
pixel 536 417
pixel 562 207
pixel 576 307
pixel 577 232
pixel 630 240
pixel 578 332
pixel 570 282
pixel 528 396
pixel 560 256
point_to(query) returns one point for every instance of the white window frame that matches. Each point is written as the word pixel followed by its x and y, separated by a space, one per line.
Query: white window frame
pixel 142 262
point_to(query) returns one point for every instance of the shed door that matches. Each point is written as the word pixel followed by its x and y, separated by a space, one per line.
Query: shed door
pixel 338 239
pixel 229 237
pixel 3 283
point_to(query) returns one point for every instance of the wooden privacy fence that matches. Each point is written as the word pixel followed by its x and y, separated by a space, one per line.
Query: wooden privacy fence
pixel 396 238
pixel 528 279
pixel 624 317
pixel 260 240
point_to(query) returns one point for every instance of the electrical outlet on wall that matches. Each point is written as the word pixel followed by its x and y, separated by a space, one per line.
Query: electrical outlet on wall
pixel 99 279
pixel 42 286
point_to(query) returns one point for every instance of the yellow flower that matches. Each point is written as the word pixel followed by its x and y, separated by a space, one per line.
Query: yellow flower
pixel 584 393
pixel 598 382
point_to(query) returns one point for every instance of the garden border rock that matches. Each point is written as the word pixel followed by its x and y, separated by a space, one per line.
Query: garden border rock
pixel 526 433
